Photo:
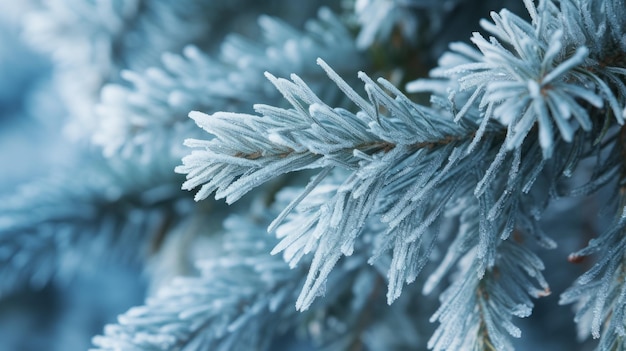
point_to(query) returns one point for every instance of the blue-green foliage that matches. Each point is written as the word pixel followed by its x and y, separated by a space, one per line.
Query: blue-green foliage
pixel 401 167
pixel 601 292
pixel 244 297
pixel 378 196
pixel 545 72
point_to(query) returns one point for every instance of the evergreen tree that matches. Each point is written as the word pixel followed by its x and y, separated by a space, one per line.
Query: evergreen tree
pixel 370 175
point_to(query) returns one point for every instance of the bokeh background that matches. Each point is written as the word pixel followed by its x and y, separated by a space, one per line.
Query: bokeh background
pixel 63 315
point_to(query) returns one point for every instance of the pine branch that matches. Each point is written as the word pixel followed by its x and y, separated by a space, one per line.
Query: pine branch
pixel 310 135
pixel 402 167
pixel 548 72
pixel 600 293
pixel 243 300
pixel 475 312
pixel 231 306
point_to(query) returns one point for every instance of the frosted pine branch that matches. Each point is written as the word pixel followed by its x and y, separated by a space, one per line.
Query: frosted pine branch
pixel 529 74
pixel 244 298
pixel 402 167
pixel 599 293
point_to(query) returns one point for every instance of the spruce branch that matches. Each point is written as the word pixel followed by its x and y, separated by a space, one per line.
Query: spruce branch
pixel 394 160
pixel 312 131
pixel 536 73
pixel 243 299
pixel 475 312
pixel 600 293
pixel 232 305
